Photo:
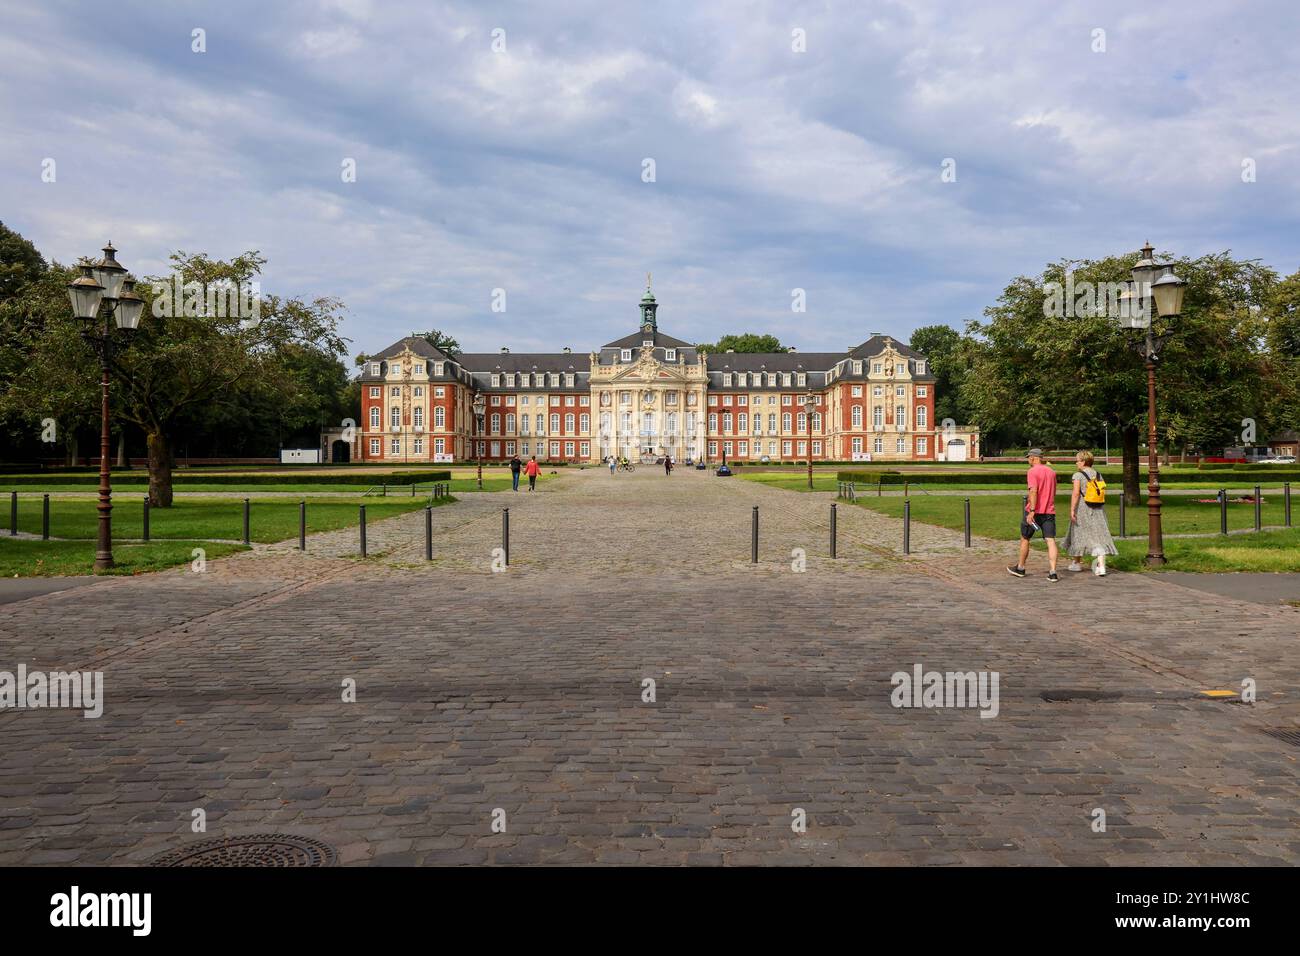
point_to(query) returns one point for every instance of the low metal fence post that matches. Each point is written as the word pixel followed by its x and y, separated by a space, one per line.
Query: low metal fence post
pixel 363 530
pixel 246 522
pixel 302 525
pixel 505 534
pixel 146 519
pixel 966 520
pixel 45 518
pixel 428 534
pixel 753 537
pixel 833 530
pixel 907 525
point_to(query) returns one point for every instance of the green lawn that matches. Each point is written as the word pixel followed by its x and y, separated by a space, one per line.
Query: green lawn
pixel 998 516
pixel 199 518
pixel 1266 551
pixel 27 558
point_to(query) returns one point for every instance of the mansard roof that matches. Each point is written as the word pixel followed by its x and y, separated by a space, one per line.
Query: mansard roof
pixel 636 338
pixel 507 362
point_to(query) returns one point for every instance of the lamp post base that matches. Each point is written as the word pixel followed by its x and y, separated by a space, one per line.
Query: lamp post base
pixel 1155 560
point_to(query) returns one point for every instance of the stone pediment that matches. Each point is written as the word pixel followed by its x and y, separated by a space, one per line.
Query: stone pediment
pixel 647 369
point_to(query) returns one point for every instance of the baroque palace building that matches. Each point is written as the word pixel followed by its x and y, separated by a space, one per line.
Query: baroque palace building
pixel 649 394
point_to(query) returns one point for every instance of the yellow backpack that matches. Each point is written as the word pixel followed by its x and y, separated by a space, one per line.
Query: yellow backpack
pixel 1094 490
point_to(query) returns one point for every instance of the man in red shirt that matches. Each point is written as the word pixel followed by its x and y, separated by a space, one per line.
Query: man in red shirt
pixel 1040 514
pixel 532 468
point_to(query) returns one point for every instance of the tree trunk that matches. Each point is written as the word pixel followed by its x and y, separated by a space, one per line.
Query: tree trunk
pixel 121 450
pixel 160 470
pixel 72 457
pixel 1132 466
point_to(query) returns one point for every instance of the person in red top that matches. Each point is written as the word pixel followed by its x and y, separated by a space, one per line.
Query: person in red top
pixel 531 469
pixel 1040 514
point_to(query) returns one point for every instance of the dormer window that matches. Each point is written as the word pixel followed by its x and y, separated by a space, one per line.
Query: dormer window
pixel 902 368
pixel 496 381
pixel 438 369
pixel 374 368
pixel 803 379
pixel 726 380
pixel 625 355
pixel 857 367
pixel 670 355
pixel 648 343
pixel 419 369
pixel 920 368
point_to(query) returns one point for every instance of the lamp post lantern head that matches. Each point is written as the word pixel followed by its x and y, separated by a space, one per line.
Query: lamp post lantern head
pixel 1145 271
pixel 480 404
pixel 129 306
pixel 1168 293
pixel 109 272
pixel 810 402
pixel 85 294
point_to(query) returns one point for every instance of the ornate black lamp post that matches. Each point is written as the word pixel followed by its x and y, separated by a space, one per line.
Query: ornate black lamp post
pixel 1153 284
pixel 104 291
pixel 480 406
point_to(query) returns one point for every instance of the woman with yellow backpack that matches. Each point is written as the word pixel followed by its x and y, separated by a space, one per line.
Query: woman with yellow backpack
pixel 1089 533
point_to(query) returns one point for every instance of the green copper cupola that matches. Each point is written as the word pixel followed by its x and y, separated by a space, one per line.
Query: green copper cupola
pixel 648 308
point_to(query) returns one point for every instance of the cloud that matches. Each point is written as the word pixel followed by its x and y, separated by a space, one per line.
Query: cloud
pixel 775 169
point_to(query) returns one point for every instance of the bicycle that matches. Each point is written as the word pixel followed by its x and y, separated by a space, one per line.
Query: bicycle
pixel 626 466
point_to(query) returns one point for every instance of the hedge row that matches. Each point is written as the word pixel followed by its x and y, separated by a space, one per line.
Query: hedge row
pixel 140 477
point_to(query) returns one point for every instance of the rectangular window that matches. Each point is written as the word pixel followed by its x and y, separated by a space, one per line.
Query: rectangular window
pixel 922 391
pixel 922 446
pixel 670 355
pixel 817 449
pixel 496 449
pixel 395 416
pixel 555 449
pixel 418 419
pixel 374 416
pixel 584 449
pixel 418 446
pixel 440 392
pixel 569 400
pixel 510 449
pixel 437 369
pixel 374 446
pixel 787 399
pixel 713 449
pixel 374 391
pixel 568 449
pixel 625 355
pixel 395 446
pixel 374 368
pixel 417 369
pixel 496 381
pixel 785 449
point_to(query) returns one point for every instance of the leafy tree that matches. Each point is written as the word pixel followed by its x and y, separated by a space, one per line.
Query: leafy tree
pixel 1057 379
pixel 441 340
pixel 944 347
pixel 20 263
pixel 745 342
pixel 179 373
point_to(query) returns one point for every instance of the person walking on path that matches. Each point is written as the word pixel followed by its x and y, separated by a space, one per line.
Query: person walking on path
pixel 668 465
pixel 1040 514
pixel 1089 532
pixel 531 470
pixel 516 466
pixel 613 464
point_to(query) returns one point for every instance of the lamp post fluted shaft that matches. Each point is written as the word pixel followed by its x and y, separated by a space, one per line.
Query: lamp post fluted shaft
pixel 1155 535
pixel 104 540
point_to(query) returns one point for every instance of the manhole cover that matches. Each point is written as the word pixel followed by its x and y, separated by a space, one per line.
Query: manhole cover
pixel 256 849
pixel 1291 737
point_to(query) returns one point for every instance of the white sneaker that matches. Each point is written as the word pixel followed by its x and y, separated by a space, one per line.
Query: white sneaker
pixel 1075 566
pixel 1099 568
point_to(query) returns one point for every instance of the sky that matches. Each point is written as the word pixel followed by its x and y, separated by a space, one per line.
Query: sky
pixel 898 162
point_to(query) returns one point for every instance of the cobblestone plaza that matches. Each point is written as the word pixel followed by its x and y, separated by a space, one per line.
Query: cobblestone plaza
pixel 520 696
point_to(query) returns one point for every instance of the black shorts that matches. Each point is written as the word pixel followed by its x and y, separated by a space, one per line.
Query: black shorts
pixel 1046 525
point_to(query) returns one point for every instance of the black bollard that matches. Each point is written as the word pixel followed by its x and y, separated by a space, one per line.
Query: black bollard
pixel 1122 506
pixel 1258 504
pixel 428 534
pixel 907 525
pixel 832 531
pixel 363 530
pixel 966 522
pixel 753 538
pixel 1223 511
pixel 45 518
pixel 1286 504
pixel 246 541
pixel 146 519
pixel 505 534
pixel 302 525
pixel 13 513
